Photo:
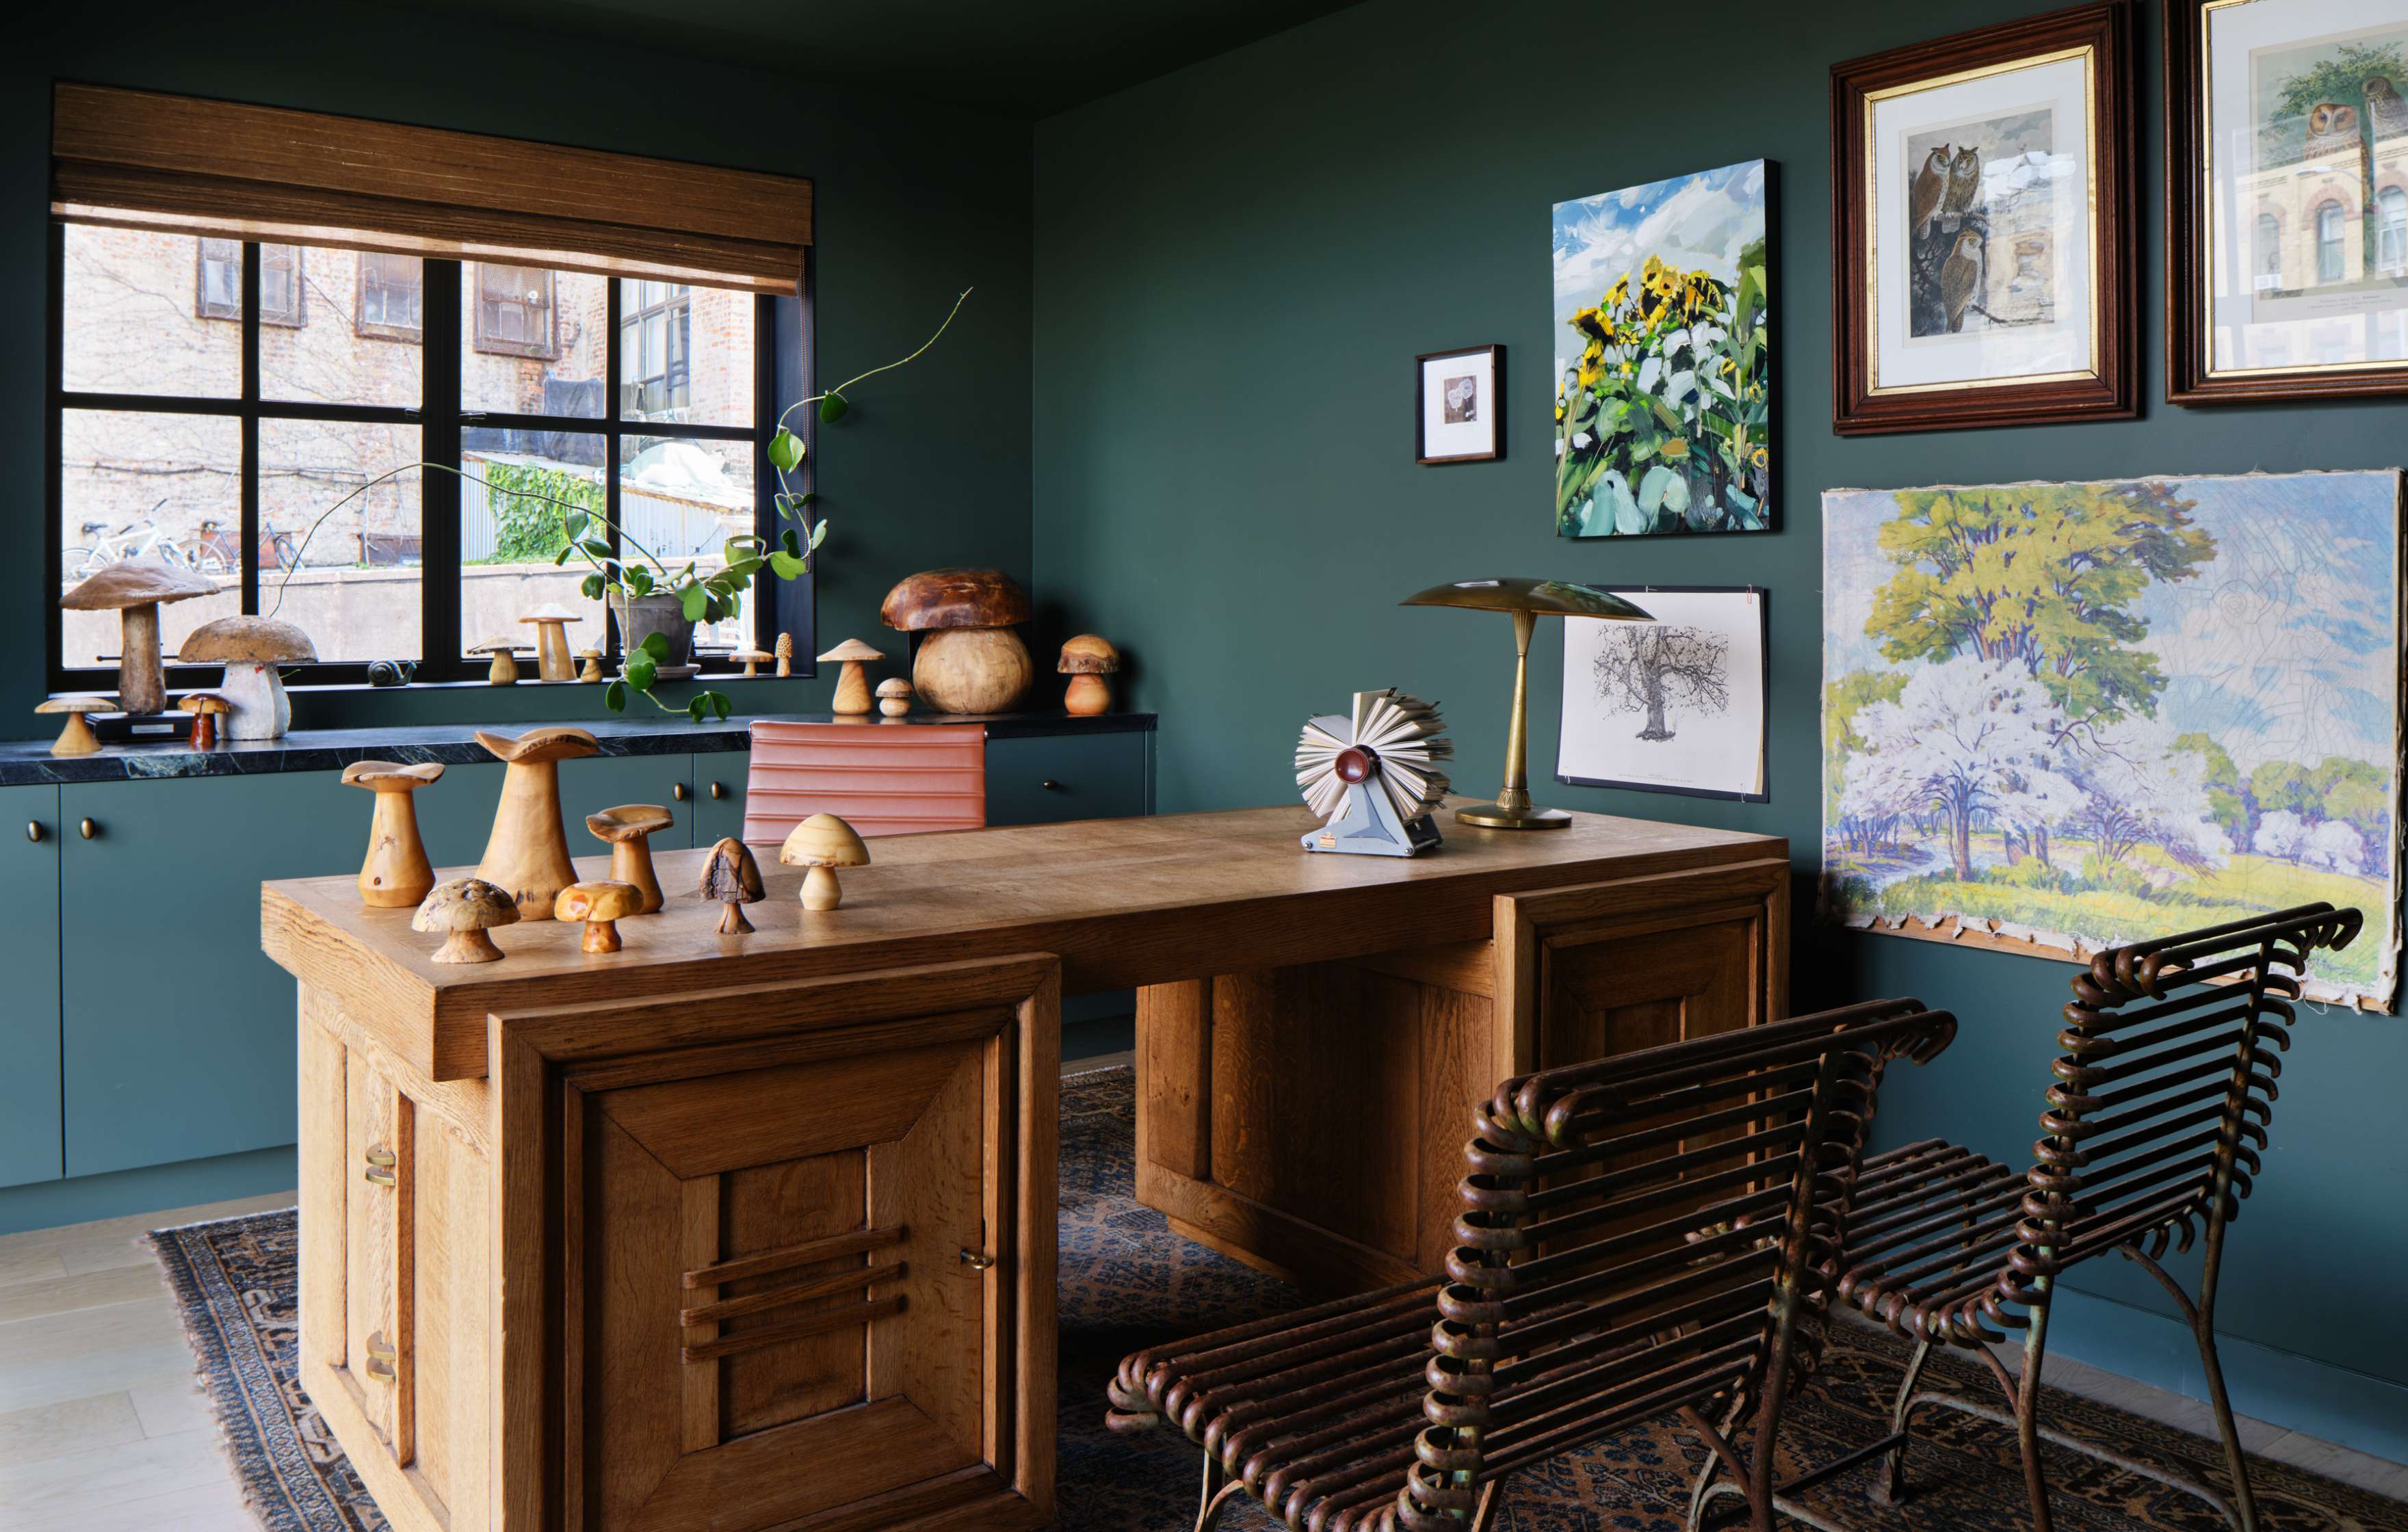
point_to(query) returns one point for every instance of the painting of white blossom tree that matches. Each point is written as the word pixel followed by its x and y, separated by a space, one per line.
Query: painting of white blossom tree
pixel 2062 717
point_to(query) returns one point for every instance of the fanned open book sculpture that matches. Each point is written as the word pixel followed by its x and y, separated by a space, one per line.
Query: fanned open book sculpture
pixel 1372 775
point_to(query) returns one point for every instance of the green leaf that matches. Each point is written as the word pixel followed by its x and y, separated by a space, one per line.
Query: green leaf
pixel 693 598
pixel 785 450
pixel 832 408
pixel 575 523
pixel 792 545
pixel 712 608
pixel 819 534
pixel 719 705
pixel 641 581
pixel 562 557
pixel 787 566
pixel 592 587
pixel 656 645
pixel 642 669
pixel 693 707
pixel 614 697
pixel 596 549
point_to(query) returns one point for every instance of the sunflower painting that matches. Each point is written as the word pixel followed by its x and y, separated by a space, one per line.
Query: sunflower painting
pixel 1663 358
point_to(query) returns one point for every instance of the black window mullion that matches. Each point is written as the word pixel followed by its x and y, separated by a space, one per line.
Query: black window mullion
pixel 440 495
pixel 610 442
pixel 54 444
pixel 251 290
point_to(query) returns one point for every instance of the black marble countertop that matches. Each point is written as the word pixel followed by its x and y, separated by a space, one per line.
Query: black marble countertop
pixel 29 762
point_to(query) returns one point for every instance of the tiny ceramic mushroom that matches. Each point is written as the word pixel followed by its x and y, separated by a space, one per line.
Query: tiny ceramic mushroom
pixel 551 621
pixel 135 589
pixel 730 877
pixel 754 659
pixel 628 830
pixel 852 687
pixel 823 843
pixel 601 905
pixel 504 671
pixel 593 671
pixel 785 654
pixel 207 708
pixel 397 873
pixel 77 738
pixel 528 851
pixel 462 911
pixel 893 696
pixel 250 648
pixel 1087 660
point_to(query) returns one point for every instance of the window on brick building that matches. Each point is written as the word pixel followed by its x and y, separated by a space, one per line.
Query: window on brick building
pixel 219 283
pixel 514 311
pixel 656 339
pixel 393 296
pixel 2331 223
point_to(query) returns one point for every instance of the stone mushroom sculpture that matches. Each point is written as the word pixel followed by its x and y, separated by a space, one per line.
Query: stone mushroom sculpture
pixel 136 589
pixel 628 830
pixel 893 696
pixel 504 671
pixel 969 660
pixel 528 851
pixel 462 911
pixel 852 686
pixel 552 659
pixel 250 648
pixel 730 877
pixel 77 738
pixel 823 843
pixel 753 659
pixel 1087 660
pixel 397 873
pixel 207 708
pixel 601 905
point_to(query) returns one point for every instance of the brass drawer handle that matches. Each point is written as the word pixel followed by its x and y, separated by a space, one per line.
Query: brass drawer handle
pixel 719 790
pixel 383 1358
pixel 381 1167
pixel 976 1261
pixel 34 831
pixel 1051 785
pixel 91 831
pixel 677 790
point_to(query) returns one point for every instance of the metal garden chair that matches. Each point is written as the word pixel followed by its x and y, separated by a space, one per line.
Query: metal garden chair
pixel 1642 1236
pixel 2152 1130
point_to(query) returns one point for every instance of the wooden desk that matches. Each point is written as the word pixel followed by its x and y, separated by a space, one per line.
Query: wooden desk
pixel 747 1232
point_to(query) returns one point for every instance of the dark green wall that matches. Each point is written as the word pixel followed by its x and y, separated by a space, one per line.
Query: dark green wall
pixel 1235 266
pixel 914 203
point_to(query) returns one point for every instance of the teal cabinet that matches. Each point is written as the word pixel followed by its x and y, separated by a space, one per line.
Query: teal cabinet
pixel 178 1030
pixel 1047 779
pixel 605 782
pixel 718 797
pixel 29 956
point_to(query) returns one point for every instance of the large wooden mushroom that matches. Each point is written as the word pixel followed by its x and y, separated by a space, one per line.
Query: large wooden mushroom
pixel 601 905
pixel 250 648
pixel 77 738
pixel 528 851
pixel 823 843
pixel 461 913
pixel 395 874
pixel 852 686
pixel 1087 660
pixel 969 660
pixel 628 830
pixel 730 877
pixel 136 589
pixel 551 620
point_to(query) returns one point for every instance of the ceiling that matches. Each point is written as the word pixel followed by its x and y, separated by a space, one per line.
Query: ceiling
pixel 1030 58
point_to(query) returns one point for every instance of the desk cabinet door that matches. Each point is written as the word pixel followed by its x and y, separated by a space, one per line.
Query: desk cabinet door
pixel 1048 779
pixel 29 956
pixel 718 797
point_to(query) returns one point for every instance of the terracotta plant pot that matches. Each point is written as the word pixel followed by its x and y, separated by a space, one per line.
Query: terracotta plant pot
pixel 659 612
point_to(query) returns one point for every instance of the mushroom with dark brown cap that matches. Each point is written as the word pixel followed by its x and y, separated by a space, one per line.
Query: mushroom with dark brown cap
pixel 552 659
pixel 77 738
pixel 601 905
pixel 395 874
pixel 207 708
pixel 462 911
pixel 1087 660
pixel 852 686
pixel 250 648
pixel 893 696
pixel 135 589
pixel 628 829
pixel 528 851
pixel 823 843
pixel 969 660
pixel 730 877
pixel 504 670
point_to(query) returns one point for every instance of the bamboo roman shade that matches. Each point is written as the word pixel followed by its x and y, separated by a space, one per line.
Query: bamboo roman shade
pixel 133 159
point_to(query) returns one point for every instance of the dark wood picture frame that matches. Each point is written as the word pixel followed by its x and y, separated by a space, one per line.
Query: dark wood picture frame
pixel 1764 724
pixel 2111 392
pixel 2191 379
pixel 1496 406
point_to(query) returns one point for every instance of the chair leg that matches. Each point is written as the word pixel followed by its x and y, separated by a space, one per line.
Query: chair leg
pixel 2244 1504
pixel 1219 1489
pixel 1491 1503
pixel 1891 1489
pixel 2027 1413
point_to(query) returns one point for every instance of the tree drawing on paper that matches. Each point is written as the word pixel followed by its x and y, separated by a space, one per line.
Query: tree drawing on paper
pixel 2082 715
pixel 1656 668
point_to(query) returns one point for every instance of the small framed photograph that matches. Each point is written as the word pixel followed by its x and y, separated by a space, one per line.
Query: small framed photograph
pixel 2286 199
pixel 1678 705
pixel 1459 406
pixel 1982 225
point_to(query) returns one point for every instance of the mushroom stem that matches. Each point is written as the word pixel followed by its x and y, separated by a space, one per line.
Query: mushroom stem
pixel 77 738
pixel 468 947
pixel 204 731
pixel 528 853
pixel 631 862
pixel 396 874
pixel 1087 697
pixel 820 890
pixel 141 682
pixel 732 921
pixel 551 652
pixel 601 937
pixel 852 690
pixel 261 708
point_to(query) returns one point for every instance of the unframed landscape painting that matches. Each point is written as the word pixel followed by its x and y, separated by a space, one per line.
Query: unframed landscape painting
pixel 2060 717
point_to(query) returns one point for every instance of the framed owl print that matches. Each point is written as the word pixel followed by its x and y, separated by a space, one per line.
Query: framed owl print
pixel 1982 212
pixel 2286 199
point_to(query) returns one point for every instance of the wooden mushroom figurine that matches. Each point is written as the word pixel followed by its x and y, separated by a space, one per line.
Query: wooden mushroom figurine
pixel 730 877
pixel 397 873
pixel 593 671
pixel 785 651
pixel 852 686
pixel 969 660
pixel 462 911
pixel 552 659
pixel 135 589
pixel 207 708
pixel 754 659
pixel 250 648
pixel 628 830
pixel 601 905
pixel 528 851
pixel 823 843
pixel 893 696
pixel 504 670
pixel 1087 660
pixel 77 738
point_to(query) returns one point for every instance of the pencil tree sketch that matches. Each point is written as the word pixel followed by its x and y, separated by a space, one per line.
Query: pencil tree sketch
pixel 1656 668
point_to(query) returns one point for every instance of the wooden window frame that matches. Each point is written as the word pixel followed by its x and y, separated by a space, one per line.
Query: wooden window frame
pixel 247 256
pixel 483 339
pixel 680 296
pixel 410 335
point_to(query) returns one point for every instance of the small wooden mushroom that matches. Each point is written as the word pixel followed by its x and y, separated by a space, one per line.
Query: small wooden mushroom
pixel 528 851
pixel 853 686
pixel 250 648
pixel 754 659
pixel 462 911
pixel 1087 660
pixel 397 873
pixel 136 589
pixel 551 621
pixel 504 671
pixel 823 843
pixel 593 671
pixel 77 738
pixel 893 696
pixel 601 905
pixel 785 651
pixel 628 829
pixel 207 708
pixel 730 877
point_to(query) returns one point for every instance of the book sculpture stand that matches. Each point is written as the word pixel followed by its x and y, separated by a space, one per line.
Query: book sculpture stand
pixel 1371 775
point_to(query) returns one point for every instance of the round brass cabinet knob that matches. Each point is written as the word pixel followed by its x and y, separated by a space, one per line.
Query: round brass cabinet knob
pixel 976 1261
pixel 1051 785
pixel 89 830
pixel 719 790
pixel 677 790
pixel 34 831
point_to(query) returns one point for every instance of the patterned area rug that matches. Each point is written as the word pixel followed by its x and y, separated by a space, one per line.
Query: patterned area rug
pixel 1128 1280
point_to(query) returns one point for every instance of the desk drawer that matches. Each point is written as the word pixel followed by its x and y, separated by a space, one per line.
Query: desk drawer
pixel 1048 779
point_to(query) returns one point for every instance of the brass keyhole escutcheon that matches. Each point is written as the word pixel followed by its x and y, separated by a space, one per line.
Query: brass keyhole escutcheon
pixel 977 1261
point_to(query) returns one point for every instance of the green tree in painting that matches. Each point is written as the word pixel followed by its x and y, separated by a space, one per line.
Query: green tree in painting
pixel 2228 799
pixel 1842 700
pixel 2356 792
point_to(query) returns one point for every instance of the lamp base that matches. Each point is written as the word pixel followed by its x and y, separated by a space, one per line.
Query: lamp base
pixel 1498 816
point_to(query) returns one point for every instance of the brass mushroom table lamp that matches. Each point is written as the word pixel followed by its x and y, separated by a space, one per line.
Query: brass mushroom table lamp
pixel 1527 600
